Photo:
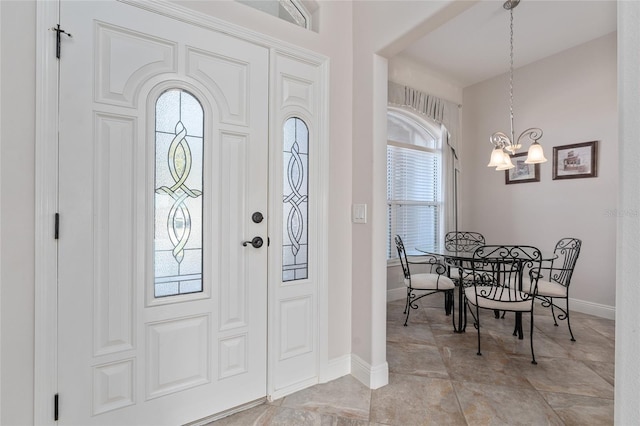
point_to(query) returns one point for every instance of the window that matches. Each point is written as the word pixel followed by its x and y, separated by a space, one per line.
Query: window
pixel 288 10
pixel 179 143
pixel 295 200
pixel 414 182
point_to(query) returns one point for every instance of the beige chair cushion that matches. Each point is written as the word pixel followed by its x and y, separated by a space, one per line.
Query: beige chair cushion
pixel 467 274
pixel 550 289
pixel 503 303
pixel 430 282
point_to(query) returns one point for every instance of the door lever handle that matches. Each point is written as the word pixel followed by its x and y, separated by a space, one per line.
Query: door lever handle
pixel 256 242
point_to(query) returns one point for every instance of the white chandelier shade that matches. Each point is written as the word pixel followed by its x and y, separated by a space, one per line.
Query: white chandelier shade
pixel 506 163
pixel 535 154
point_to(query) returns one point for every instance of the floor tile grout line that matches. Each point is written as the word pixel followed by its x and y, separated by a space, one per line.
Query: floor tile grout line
pixel 504 347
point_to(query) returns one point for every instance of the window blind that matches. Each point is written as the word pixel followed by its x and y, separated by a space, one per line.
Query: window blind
pixel 413 197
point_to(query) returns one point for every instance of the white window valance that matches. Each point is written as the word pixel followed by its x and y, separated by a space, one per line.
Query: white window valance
pixel 440 110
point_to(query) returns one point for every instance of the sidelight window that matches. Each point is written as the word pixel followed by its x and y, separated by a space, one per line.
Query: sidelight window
pixel 295 201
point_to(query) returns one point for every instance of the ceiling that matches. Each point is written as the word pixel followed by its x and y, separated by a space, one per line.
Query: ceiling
pixel 474 46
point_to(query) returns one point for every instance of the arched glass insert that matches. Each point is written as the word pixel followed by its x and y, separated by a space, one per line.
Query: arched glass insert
pixel 179 144
pixel 295 242
pixel 288 10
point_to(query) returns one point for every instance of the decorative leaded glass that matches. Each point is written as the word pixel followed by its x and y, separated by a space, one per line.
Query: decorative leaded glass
pixel 295 244
pixel 179 142
pixel 289 10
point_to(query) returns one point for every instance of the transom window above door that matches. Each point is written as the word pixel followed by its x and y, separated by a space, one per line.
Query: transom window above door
pixel 293 11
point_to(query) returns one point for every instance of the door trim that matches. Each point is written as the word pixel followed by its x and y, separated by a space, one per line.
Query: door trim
pixel 46 189
pixel 46 205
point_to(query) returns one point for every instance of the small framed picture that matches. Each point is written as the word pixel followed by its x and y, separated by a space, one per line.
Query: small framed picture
pixel 579 160
pixel 522 172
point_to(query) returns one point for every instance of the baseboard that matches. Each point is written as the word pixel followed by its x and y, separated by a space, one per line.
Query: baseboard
pixel 336 368
pixel 396 294
pixel 372 377
pixel 295 387
pixel 597 309
pixel 226 413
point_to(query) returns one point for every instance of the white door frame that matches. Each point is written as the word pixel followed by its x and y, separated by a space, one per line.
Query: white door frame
pixel 46 190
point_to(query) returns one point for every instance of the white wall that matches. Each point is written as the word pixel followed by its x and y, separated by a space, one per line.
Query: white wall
pixel 0 218
pixel 406 71
pixel 17 177
pixel 377 27
pixel 572 97
pixel 627 411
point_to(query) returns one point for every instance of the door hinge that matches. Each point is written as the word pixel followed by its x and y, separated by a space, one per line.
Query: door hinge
pixel 59 31
pixel 55 407
pixel 56 232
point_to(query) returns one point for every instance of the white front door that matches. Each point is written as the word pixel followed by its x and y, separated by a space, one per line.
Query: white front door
pixel 162 165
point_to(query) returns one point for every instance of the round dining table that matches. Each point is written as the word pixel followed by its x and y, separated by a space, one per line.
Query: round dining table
pixel 462 260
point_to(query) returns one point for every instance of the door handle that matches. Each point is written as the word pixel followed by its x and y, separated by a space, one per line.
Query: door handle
pixel 256 242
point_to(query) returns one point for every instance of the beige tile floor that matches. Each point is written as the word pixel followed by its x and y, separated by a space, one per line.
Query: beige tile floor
pixel 436 378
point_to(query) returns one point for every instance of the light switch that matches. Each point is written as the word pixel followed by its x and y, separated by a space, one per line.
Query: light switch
pixel 359 213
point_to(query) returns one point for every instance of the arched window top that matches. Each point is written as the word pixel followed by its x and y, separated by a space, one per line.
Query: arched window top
pixel 296 131
pixel 179 106
pixel 402 128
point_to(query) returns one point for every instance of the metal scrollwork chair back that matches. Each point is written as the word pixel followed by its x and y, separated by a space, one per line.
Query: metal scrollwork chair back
pixel 466 241
pixel 555 278
pixel 433 280
pixel 501 272
pixel 462 241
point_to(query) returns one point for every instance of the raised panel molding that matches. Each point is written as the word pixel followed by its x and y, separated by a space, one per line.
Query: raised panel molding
pixel 113 233
pixel 296 332
pixel 126 60
pixel 232 356
pixel 233 171
pixel 227 78
pixel 113 386
pixel 297 92
pixel 177 355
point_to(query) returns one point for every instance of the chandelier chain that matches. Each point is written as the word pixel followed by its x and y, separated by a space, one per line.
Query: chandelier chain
pixel 507 145
pixel 511 75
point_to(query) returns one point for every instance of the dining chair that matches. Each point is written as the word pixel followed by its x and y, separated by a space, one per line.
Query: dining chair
pixel 462 241
pixel 554 279
pixel 500 273
pixel 466 241
pixel 422 284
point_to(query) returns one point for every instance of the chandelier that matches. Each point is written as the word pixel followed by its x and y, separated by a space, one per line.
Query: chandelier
pixel 507 145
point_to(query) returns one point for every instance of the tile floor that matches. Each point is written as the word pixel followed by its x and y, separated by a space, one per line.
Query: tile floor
pixel 436 378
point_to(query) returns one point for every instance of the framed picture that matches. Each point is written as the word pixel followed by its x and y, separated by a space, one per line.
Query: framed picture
pixel 522 172
pixel 579 160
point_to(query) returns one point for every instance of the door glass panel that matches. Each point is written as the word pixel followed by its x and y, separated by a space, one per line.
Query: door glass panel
pixel 296 199
pixel 179 141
